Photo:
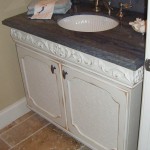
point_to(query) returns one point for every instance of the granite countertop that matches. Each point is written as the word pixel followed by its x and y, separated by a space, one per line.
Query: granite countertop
pixel 121 45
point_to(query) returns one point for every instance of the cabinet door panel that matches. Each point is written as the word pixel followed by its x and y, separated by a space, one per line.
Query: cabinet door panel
pixel 94 110
pixel 43 87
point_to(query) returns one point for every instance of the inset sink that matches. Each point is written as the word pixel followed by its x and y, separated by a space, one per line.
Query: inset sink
pixel 88 23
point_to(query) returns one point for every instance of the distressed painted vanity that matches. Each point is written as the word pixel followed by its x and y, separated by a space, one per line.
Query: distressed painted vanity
pixel 89 85
pixel 95 101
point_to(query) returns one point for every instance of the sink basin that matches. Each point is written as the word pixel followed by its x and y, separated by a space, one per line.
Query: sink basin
pixel 88 23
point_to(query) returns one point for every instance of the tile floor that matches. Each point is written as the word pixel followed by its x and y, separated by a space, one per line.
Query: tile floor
pixel 32 132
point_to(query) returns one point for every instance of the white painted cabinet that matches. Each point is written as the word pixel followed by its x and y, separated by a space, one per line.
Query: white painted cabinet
pixel 95 101
pixel 42 82
pixel 96 110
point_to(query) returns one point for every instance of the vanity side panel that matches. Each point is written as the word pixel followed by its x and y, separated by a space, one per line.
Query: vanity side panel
pixel 134 117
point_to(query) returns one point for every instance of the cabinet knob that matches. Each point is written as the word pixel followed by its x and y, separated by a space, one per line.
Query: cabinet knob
pixel 64 73
pixel 53 69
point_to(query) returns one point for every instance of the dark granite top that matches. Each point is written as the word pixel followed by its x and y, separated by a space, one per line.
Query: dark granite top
pixel 121 45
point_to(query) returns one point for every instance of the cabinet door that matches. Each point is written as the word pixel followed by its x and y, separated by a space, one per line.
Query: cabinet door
pixel 96 110
pixel 42 82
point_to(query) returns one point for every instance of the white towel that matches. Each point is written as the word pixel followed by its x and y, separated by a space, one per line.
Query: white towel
pixel 58 10
pixel 58 5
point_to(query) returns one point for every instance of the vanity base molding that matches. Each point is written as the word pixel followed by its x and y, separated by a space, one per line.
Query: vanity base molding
pixel 93 100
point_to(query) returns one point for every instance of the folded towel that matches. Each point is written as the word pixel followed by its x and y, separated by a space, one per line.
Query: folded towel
pixel 59 10
pixel 62 3
pixel 59 4
pixel 43 9
pixel 62 10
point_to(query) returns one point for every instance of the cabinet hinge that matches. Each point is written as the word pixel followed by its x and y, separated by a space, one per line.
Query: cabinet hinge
pixel 147 64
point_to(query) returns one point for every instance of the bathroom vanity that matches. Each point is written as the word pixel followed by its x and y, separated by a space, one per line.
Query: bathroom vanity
pixel 87 84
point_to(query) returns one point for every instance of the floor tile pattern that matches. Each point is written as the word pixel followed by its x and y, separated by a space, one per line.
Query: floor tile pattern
pixel 32 132
pixel 3 145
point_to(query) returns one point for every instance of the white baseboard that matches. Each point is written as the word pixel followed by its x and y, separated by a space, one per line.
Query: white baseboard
pixel 13 112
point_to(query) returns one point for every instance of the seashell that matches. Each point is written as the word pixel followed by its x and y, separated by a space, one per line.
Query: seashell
pixel 142 29
pixel 139 25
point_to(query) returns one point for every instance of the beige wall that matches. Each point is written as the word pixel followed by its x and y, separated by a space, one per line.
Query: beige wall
pixel 11 87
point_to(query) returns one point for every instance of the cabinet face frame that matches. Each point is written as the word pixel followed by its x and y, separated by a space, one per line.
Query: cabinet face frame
pixel 53 82
pixel 74 74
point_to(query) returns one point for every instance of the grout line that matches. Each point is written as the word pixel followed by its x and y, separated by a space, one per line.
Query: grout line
pixel 17 124
pixel 6 142
pixel 30 136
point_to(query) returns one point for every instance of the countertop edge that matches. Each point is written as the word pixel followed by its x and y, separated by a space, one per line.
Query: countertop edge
pixel 115 72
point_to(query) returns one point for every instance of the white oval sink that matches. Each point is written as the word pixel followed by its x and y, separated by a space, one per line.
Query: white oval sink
pixel 88 23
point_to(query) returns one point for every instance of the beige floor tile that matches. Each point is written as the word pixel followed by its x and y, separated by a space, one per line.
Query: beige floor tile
pixel 24 117
pixel 14 123
pixel 49 138
pixel 3 146
pixel 23 130
pixel 7 127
